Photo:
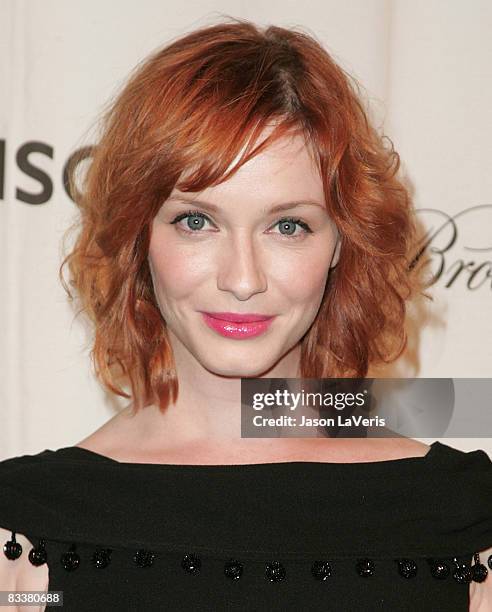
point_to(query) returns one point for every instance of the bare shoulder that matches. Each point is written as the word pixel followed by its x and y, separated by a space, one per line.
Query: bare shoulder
pixel 409 447
pixel 481 592
pixel 405 448
pixel 20 574
pixel 111 436
pixel 374 449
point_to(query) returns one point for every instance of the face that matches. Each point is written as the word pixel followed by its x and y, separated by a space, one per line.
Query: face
pixel 224 250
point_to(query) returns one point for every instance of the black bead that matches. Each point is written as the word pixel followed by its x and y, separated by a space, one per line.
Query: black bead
pixel 12 549
pixel 70 560
pixel 489 561
pixel 144 558
pixel 479 571
pixel 321 570
pixel 38 555
pixel 233 569
pixel 407 568
pixel 275 571
pixel 101 557
pixel 462 573
pixel 191 564
pixel 439 569
pixel 365 567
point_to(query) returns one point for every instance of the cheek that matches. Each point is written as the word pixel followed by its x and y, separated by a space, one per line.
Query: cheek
pixel 306 285
pixel 301 279
pixel 176 272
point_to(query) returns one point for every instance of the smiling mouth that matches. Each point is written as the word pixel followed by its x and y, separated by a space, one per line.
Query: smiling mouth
pixel 230 327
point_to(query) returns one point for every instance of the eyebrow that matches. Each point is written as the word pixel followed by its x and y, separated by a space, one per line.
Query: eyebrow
pixel 274 209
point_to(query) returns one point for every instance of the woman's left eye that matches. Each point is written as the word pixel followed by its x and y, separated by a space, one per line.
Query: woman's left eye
pixel 288 225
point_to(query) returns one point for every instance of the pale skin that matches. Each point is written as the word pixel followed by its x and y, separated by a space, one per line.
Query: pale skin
pixel 238 261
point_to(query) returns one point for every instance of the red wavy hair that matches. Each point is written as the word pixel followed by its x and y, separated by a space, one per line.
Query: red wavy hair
pixel 195 104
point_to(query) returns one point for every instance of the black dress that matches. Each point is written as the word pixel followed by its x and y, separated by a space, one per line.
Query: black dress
pixel 395 535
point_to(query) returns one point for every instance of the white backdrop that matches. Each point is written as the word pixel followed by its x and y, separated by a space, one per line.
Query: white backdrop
pixel 426 67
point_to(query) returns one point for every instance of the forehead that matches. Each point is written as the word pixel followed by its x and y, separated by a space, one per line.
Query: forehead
pixel 284 170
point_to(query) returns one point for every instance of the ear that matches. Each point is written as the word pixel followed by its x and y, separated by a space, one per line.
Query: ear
pixel 336 252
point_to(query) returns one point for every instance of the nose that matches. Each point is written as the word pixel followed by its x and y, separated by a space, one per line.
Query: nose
pixel 240 270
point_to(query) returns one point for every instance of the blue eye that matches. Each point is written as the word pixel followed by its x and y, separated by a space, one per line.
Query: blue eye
pixel 196 220
pixel 196 224
pixel 290 221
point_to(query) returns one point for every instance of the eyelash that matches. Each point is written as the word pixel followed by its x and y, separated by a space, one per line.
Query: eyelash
pixel 197 213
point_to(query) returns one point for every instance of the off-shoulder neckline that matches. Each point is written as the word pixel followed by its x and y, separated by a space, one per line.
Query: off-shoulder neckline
pixel 80 453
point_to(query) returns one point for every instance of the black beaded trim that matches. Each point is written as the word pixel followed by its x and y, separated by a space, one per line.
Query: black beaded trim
pixel 101 557
pixel 407 568
pixel 144 558
pixel 233 569
pixel 191 563
pixel 321 570
pixel 38 555
pixel 274 571
pixel 12 549
pixel 439 569
pixel 462 573
pixel 479 571
pixel 365 567
pixel 70 560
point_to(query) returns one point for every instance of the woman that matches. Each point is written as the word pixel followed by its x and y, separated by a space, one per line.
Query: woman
pixel 241 218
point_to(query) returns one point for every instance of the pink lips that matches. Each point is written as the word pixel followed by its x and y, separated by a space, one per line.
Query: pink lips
pixel 234 325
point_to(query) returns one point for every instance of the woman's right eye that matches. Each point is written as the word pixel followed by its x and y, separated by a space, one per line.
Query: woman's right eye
pixel 196 220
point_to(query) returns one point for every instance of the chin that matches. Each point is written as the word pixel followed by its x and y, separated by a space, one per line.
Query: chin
pixel 240 370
